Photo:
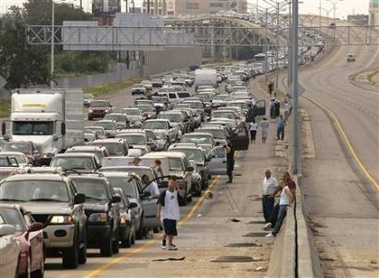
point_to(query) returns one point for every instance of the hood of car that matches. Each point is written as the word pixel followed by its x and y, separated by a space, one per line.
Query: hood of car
pixel 41 207
pixel 95 205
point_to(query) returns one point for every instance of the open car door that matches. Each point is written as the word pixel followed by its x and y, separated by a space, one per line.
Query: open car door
pixel 240 139
pixel 259 108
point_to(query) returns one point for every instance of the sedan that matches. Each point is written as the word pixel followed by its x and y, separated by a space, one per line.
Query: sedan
pixel 29 234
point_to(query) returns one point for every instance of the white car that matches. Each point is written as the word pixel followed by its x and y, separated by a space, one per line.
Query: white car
pixel 350 57
pixel 9 250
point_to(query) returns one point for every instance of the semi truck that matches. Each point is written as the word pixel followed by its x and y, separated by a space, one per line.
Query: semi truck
pixel 52 118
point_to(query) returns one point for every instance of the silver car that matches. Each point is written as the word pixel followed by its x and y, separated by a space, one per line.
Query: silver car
pixel 9 249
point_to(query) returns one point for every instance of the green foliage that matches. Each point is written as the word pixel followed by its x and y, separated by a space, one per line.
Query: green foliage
pixel 82 62
pixel 5 108
pixel 113 87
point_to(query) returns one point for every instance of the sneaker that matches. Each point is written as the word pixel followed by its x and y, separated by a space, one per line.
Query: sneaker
pixel 172 247
pixel 163 244
pixel 267 226
pixel 269 235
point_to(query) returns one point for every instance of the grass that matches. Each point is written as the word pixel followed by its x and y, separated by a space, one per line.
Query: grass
pixel 112 87
pixel 5 108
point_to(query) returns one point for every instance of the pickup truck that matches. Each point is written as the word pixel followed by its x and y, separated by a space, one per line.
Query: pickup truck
pixel 54 201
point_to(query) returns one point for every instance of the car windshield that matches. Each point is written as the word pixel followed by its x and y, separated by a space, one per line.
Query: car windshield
pixel 13 217
pixel 32 128
pixel 117 118
pixel 98 103
pixel 175 164
pixel 219 97
pixel 127 185
pixel 98 153
pixel 191 154
pixel 34 190
pixel 227 115
pixel 99 132
pixel 217 134
pixel 106 125
pixel 145 108
pixel 133 139
pixel 243 105
pixel 21 159
pixel 25 148
pixel 205 97
pixel 116 149
pixel 130 111
pixel 195 105
pixel 196 138
pixel 155 125
pixel 92 188
pixel 175 118
pixel 73 162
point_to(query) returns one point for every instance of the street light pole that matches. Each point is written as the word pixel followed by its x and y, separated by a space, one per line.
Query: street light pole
pixel 52 46
pixel 334 3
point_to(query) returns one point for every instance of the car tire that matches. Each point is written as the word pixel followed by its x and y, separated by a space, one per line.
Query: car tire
pixel 127 243
pixel 116 246
pixel 70 257
pixel 197 191
pixel 106 247
pixel 83 254
pixel 90 118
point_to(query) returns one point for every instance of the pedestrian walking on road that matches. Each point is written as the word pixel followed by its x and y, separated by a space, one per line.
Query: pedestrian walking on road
pixel 272 109
pixel 270 184
pixel 253 127
pixel 168 213
pixel 277 108
pixel 264 128
pixel 280 128
pixel 286 198
pixel 229 160
pixel 270 87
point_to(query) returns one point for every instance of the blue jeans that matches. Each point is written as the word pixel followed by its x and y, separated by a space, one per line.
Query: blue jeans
pixel 281 215
pixel 268 206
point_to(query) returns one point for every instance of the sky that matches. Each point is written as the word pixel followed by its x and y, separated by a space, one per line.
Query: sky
pixel 343 8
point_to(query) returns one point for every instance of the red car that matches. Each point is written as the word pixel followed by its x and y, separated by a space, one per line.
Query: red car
pixel 31 262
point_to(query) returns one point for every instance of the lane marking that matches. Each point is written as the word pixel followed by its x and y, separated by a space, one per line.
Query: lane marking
pixel 344 136
pixel 153 241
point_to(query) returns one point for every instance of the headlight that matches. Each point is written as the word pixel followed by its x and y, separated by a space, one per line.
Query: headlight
pixel 47 155
pixel 98 217
pixel 62 219
pixel 106 110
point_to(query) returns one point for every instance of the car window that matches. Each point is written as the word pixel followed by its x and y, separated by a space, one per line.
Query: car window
pixel 34 190
pixel 13 217
pixel 171 95
pixel 175 164
pixel 127 185
pixel 156 125
pixel 218 153
pixel 79 163
pixel 92 188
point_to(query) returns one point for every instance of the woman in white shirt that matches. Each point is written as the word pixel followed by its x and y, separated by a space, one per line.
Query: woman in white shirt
pixel 253 131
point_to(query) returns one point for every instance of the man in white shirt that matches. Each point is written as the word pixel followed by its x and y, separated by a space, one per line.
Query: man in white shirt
pixel 151 187
pixel 269 186
pixel 168 211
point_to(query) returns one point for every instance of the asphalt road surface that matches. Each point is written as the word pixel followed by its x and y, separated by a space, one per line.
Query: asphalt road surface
pixel 341 180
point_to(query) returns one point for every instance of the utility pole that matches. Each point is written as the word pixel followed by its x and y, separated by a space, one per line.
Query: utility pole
pixel 52 46
pixel 277 48
pixel 266 48
pixel 334 3
pixel 295 88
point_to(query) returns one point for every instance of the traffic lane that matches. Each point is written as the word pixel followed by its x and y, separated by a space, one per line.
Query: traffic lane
pixel 224 220
pixel 356 109
pixel 339 210
pixel 53 266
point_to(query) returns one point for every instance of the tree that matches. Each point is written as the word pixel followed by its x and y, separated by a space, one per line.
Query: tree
pixel 21 64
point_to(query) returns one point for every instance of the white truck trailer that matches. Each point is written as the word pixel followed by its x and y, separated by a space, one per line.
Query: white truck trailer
pixel 205 77
pixel 52 118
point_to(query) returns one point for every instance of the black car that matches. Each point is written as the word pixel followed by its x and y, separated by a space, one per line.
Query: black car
pixel 102 210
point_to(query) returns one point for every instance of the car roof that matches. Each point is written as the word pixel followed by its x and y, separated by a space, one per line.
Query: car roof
pixel 108 140
pixel 75 154
pixel 38 176
pixel 163 155
pixel 87 147
pixel 6 153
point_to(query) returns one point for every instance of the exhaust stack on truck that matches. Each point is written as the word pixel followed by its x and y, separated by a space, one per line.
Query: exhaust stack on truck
pixel 53 119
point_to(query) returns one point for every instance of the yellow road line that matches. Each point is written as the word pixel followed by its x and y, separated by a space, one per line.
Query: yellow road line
pixel 344 136
pixel 146 245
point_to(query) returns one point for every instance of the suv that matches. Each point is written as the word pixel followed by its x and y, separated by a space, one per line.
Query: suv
pixel 350 57
pixel 138 89
pixel 77 162
pixel 102 212
pixel 54 201
pixel 29 148
pixel 99 108
pixel 99 151
pixel 114 146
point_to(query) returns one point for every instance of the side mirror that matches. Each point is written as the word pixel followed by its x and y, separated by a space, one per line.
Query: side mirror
pixel 132 205
pixel 116 199
pixel 79 198
pixel 36 226
pixel 55 138
pixel 190 168
pixel 7 137
pixel 63 128
pixel 3 128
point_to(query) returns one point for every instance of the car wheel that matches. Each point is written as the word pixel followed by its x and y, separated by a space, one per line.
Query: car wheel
pixel 127 243
pixel 90 118
pixel 197 191
pixel 83 253
pixel 70 257
pixel 106 247
pixel 133 239
pixel 115 246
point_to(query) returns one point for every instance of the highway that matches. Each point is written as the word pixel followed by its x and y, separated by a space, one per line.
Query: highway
pixel 340 183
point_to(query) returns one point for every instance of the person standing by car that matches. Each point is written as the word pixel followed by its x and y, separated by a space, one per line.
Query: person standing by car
pixel 253 126
pixel 280 128
pixel 264 128
pixel 157 166
pixel 286 198
pixel 151 187
pixel 168 213
pixel 270 184
pixel 229 160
